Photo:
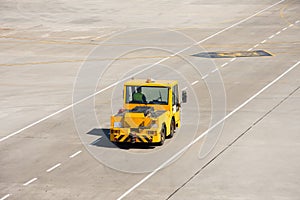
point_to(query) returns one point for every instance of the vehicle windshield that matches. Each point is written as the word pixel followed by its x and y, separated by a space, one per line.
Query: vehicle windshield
pixel 147 95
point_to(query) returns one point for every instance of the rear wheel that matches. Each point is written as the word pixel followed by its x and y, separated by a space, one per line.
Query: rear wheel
pixel 162 135
pixel 172 129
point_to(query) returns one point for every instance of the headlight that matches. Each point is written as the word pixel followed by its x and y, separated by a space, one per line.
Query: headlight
pixel 154 126
pixel 117 125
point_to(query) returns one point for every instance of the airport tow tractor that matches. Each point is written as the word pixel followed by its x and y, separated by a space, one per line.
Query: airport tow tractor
pixel 151 112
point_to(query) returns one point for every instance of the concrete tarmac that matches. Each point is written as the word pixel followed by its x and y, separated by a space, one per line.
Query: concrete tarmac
pixel 52 147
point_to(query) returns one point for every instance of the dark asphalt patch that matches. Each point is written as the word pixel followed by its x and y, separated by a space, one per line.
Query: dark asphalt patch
pixel 234 54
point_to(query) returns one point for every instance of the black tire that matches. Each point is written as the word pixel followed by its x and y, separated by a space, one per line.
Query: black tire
pixel 163 135
pixel 172 129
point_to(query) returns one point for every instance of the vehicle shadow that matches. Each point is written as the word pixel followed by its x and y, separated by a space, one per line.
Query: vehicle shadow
pixel 103 141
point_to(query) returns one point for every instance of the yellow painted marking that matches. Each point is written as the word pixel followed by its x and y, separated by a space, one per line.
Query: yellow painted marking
pixel 43 41
pixel 74 61
pixel 272 54
pixel 46 41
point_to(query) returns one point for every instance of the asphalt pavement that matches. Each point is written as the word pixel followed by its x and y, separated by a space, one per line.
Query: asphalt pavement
pixel 62 68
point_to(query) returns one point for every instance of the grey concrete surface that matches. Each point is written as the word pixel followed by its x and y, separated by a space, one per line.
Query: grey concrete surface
pixel 45 43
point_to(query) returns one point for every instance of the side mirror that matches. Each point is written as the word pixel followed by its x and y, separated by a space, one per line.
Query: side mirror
pixel 184 96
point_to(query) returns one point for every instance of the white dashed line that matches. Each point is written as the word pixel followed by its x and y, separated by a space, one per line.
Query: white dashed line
pixel 297 21
pixel 30 181
pixel 195 82
pixel 205 76
pixel 183 88
pixel 224 64
pixel 250 49
pixel 284 28
pixel 75 154
pixel 5 197
pixel 278 32
pixel 233 59
pixel 271 36
pixel 256 45
pixel 213 71
pixel 291 25
pixel 54 167
pixel 263 41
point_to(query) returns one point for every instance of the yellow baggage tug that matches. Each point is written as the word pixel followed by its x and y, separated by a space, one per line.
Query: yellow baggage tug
pixel 151 112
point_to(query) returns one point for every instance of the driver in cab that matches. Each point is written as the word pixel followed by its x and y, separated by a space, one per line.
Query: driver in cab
pixel 138 96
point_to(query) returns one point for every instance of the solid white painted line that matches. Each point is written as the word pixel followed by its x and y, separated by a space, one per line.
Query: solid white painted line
pixel 263 41
pixel 171 159
pixel 195 82
pixel 162 60
pixel 232 59
pixel 30 181
pixel 271 36
pixel 96 141
pixel 256 45
pixel 183 88
pixel 278 32
pixel 224 64
pixel 54 167
pixel 205 76
pixel 250 49
pixel 35 123
pixel 75 154
pixel 291 25
pixel 5 197
pixel 213 71
pixel 284 28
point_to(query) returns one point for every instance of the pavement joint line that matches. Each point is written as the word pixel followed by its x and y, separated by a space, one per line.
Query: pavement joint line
pixel 162 60
pixel 284 28
pixel 213 71
pixel 195 82
pixel 5 197
pixel 278 32
pixel 263 41
pixel 271 36
pixel 224 64
pixel 75 154
pixel 184 149
pixel 54 167
pixel 232 59
pixel 205 76
pixel 30 181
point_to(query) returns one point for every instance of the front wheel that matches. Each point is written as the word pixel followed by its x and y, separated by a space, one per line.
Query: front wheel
pixel 162 136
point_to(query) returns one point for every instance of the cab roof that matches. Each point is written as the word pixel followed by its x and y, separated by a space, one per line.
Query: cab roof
pixel 147 82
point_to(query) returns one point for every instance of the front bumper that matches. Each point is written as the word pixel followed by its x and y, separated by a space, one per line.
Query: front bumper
pixel 129 136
